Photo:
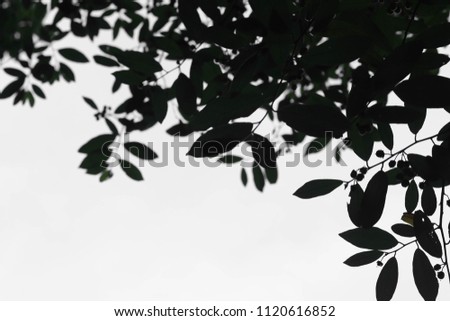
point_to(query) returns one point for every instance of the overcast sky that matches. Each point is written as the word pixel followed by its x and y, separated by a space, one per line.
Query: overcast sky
pixel 184 233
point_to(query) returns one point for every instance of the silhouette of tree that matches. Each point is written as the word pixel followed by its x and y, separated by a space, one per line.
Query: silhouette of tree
pixel 317 66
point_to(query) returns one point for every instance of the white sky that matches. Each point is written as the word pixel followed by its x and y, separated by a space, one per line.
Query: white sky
pixel 181 234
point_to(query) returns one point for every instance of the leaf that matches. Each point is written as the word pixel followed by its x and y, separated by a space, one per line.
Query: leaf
pixel 314 120
pixel 187 10
pixel 263 151
pixel 317 187
pixel 38 91
pixel 220 140
pixel 425 234
pixel 363 258
pixel 244 178
pixel 185 94
pixel 105 61
pixel 387 280
pixel 159 102
pixel 428 200
pixel 435 36
pixel 336 51
pixel 444 133
pixel 230 159
pixel 426 91
pixel 132 171
pixel 258 177
pixel 179 130
pixel 404 230
pixel 107 174
pixel 354 207
pixel 12 88
pixel 395 68
pixel 90 102
pixel 422 165
pixel 372 238
pixel 73 55
pixel 66 72
pixel 393 114
pixel 140 62
pixel 425 276
pixel 411 197
pixel 386 135
pixel 271 174
pixel 14 72
pixel 97 143
pixel 129 77
pixel 140 150
pixel 111 126
pixel 372 204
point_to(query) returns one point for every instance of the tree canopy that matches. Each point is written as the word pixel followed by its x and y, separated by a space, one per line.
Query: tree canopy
pixel 323 68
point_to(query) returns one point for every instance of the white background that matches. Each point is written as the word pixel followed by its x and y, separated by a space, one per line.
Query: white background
pixel 181 234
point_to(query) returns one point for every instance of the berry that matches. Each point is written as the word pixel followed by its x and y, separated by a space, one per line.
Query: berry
pixel 353 174
pixel 401 164
pixel 379 263
pixel 441 275
pixel 405 183
pixel 448 203
pixel 392 163
pixel 379 153
pixel 363 170
pixel 359 177
pixel 437 267
pixel 421 185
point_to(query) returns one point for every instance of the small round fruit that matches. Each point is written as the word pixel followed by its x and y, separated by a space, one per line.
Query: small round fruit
pixel 441 275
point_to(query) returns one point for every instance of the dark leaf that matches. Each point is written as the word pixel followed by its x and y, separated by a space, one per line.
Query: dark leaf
pixel 258 177
pixel 132 171
pixel 129 77
pixel 426 91
pixel 90 102
pixel 386 135
pixel 38 91
pixel 107 174
pixel 14 72
pixel 363 258
pixel 97 143
pixel 372 238
pixel 140 62
pixel 372 204
pixel 73 55
pixel 185 94
pixel 317 187
pixel 263 151
pixel 220 140
pixel 244 178
pixel 159 102
pixel 140 150
pixel 230 159
pixel 404 230
pixel 180 130
pixel 111 126
pixel 428 200
pixel 387 280
pixel 425 276
pixel 435 36
pixel 314 120
pixel 422 165
pixel 271 174
pixel 393 114
pixel 12 88
pixel 395 68
pixel 66 72
pixel 411 197
pixel 354 207
pixel 444 133
pixel 425 234
pixel 105 61
pixel 336 51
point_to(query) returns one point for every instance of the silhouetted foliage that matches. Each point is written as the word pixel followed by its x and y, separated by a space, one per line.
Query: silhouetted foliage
pixel 317 66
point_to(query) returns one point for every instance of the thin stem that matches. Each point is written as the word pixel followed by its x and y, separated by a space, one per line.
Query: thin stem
pixel 411 20
pixel 441 217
